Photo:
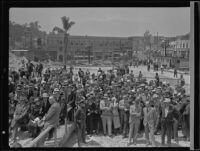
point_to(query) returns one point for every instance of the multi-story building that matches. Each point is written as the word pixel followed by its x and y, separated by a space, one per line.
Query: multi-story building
pixel 142 50
pixel 175 55
pixel 84 48
pixel 55 46
pixel 93 48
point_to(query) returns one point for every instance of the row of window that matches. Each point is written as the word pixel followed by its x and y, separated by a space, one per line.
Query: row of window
pixel 100 43
pixel 181 45
pixel 54 42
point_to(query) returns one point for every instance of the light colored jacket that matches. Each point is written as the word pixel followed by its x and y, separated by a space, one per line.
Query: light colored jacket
pixel 150 116
pixel 53 114
pixel 135 113
pixel 106 108
pixel 115 109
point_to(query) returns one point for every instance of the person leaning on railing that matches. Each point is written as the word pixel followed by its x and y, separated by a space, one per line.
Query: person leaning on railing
pixel 52 116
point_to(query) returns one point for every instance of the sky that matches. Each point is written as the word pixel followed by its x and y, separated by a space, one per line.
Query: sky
pixel 113 22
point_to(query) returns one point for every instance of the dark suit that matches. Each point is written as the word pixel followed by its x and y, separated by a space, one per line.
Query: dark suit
pixel 167 124
pixel 176 116
pixel 72 101
pixel 80 119
pixel 45 106
pixel 186 121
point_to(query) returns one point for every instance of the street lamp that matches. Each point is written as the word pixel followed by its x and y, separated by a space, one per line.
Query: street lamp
pixel 88 47
pixel 164 41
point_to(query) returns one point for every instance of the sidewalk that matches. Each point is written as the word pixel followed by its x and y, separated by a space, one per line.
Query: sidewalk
pixel 179 72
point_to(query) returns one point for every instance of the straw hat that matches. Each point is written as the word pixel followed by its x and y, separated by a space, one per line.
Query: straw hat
pixel 45 95
pixel 166 100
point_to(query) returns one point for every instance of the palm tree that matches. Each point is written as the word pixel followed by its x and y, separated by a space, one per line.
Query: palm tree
pixel 67 24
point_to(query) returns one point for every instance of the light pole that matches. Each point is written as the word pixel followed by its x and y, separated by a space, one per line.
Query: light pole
pixel 164 41
pixel 88 48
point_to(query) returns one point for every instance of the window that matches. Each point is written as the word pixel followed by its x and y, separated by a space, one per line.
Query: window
pixel 183 45
pixel 61 58
pixel 186 45
pixel 60 48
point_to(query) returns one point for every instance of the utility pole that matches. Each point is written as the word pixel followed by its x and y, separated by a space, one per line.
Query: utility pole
pixel 89 47
pixel 157 41
pixel 165 47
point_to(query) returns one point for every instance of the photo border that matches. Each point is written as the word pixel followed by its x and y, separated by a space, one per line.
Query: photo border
pixel 52 3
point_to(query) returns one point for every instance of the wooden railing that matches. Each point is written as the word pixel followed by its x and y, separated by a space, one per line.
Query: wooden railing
pixel 40 139
pixel 37 142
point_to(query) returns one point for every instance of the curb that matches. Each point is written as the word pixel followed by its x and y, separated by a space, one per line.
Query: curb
pixel 177 72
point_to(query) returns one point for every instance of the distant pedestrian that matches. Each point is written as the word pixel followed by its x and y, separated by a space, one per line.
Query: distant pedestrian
pixel 175 72
pixel 162 69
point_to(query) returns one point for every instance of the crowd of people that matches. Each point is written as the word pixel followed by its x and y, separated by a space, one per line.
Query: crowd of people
pixel 113 102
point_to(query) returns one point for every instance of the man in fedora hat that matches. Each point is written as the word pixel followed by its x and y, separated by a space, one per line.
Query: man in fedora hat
pixel 124 114
pixel 52 116
pixel 33 115
pixel 106 116
pixel 166 121
pixel 45 103
pixel 157 103
pixel 149 122
pixel 186 119
pixel 134 120
pixel 80 121
pixel 71 101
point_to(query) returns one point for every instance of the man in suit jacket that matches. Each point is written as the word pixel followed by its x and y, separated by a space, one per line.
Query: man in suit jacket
pixel 45 103
pixel 80 121
pixel 124 114
pixel 52 116
pixel 167 121
pixel 134 120
pixel 149 122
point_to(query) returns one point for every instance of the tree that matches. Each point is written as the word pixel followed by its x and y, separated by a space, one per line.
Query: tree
pixel 147 42
pixel 67 24
pixel 17 32
pixel 147 38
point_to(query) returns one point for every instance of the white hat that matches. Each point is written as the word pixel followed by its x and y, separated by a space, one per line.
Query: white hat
pixel 155 96
pixel 164 83
pixel 56 90
pixel 45 95
pixel 147 102
pixel 167 100
pixel 113 99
